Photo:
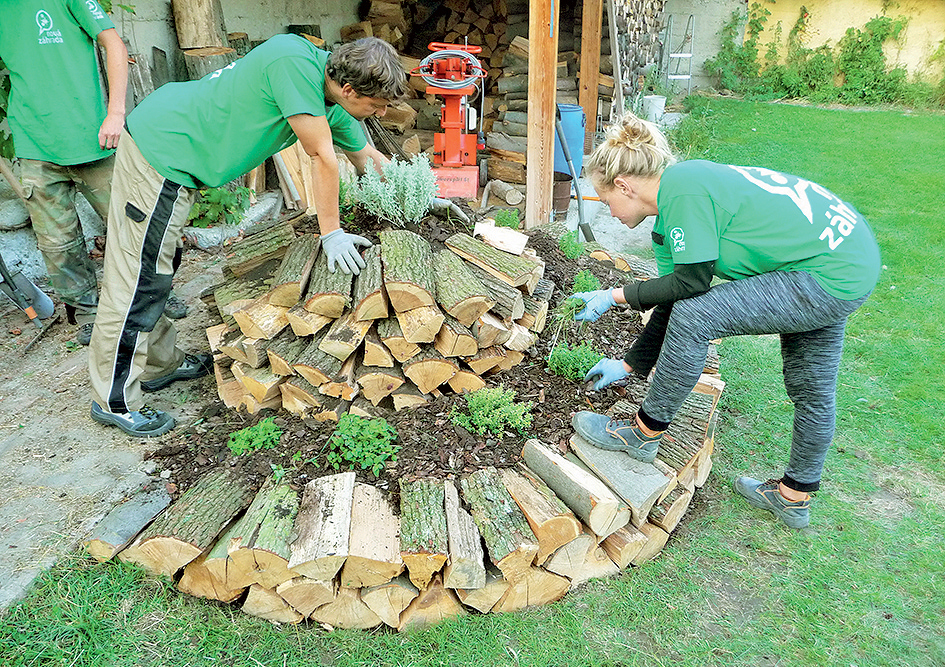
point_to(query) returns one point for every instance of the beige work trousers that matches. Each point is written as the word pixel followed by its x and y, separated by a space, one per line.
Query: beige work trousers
pixel 132 339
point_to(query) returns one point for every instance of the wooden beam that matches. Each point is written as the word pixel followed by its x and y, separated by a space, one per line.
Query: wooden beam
pixel 542 61
pixel 591 20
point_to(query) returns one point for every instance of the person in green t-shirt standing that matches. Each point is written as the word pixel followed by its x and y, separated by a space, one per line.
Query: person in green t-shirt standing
pixel 204 133
pixel 797 259
pixel 63 133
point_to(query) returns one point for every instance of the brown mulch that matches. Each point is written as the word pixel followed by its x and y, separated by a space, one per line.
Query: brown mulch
pixel 430 444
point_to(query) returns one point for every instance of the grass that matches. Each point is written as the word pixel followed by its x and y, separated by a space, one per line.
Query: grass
pixel 864 586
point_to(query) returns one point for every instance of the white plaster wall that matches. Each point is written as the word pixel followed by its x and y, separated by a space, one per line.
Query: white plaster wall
pixel 710 16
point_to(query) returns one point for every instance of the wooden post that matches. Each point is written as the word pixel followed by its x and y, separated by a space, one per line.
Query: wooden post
pixel 542 60
pixel 199 23
pixel 590 67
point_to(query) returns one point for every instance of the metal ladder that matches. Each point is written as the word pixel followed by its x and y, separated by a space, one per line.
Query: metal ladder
pixel 679 63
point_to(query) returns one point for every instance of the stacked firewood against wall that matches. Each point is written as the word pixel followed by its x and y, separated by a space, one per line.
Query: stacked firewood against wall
pixel 414 322
pixel 491 541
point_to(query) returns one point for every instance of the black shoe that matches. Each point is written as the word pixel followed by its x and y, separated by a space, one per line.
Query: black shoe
pixel 174 307
pixel 83 335
pixel 145 423
pixel 193 366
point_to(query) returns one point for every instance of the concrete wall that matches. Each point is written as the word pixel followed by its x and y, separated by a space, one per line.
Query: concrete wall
pixel 708 16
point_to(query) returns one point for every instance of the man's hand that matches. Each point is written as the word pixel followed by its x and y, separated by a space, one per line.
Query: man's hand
pixel 340 247
pixel 110 130
pixel 607 371
pixel 444 208
pixel 595 304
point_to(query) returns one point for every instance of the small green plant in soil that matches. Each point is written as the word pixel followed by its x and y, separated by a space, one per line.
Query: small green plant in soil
pixel 570 246
pixel 216 206
pixel 573 363
pixel 366 443
pixel 585 281
pixel 263 435
pixel 505 217
pixel 493 410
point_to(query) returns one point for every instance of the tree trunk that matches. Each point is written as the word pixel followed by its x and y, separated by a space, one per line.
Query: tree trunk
pixel 199 23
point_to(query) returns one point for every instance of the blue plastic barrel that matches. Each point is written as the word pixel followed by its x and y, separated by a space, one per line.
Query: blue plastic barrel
pixel 572 122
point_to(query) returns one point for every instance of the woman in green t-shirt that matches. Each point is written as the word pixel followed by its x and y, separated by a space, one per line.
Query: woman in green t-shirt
pixel 795 260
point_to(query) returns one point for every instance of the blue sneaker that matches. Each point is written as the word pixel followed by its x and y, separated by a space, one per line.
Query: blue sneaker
pixel 620 435
pixel 767 496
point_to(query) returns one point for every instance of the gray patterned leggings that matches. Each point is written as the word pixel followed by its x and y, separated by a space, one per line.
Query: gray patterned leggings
pixel 811 325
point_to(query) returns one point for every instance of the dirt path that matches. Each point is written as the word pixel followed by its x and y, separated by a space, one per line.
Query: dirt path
pixel 60 472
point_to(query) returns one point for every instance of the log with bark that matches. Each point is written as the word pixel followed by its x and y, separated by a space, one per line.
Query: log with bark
pixel 190 526
pixel 465 568
pixel 549 518
pixel 124 522
pixel 461 294
pixel 490 331
pixel 300 396
pixel 261 318
pixel 487 358
pixel 316 365
pixel 199 23
pixel 407 396
pixel 266 603
pixel 347 611
pixel 668 513
pixel 429 369
pixel 306 595
pixel 408 270
pixel 509 301
pixel 375 352
pixel 389 599
pixel 344 336
pixel 323 527
pixel 511 269
pixel 291 279
pixel 455 340
pixel 345 385
pixel 424 543
pixel 378 383
pixel 392 336
pixel 624 544
pixel 374 543
pixel 656 539
pixel 306 323
pixel 421 325
pixel 370 297
pixel 284 350
pixel 328 293
pixel 256 249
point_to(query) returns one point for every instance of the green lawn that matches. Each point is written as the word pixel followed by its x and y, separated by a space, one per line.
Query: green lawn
pixel 864 586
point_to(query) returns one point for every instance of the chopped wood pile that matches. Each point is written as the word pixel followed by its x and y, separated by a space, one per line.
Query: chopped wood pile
pixel 492 541
pixel 414 323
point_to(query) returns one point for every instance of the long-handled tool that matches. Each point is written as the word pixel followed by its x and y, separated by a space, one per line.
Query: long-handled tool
pixel 582 225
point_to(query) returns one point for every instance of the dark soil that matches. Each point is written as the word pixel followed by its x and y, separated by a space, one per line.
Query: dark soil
pixel 430 444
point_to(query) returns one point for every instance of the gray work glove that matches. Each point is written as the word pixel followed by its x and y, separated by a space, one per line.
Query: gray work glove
pixel 444 208
pixel 341 249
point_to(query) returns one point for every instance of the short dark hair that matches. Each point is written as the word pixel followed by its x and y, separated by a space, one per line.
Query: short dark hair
pixel 371 66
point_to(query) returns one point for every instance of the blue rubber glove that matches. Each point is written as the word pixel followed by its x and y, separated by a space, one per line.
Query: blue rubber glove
pixel 608 371
pixel 595 304
pixel 340 247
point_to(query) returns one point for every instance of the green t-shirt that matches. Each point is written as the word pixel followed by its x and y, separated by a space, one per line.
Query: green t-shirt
pixel 207 132
pixel 56 106
pixel 752 220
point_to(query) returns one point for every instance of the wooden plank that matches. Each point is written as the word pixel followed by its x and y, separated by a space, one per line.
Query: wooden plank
pixel 542 60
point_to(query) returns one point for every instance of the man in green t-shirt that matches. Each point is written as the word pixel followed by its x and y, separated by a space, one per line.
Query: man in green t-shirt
pixel 204 133
pixel 63 133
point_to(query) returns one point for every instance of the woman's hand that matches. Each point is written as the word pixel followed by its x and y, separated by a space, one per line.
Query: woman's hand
pixel 595 304
pixel 608 371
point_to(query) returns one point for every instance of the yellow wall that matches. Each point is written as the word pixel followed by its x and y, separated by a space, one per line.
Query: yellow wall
pixel 829 20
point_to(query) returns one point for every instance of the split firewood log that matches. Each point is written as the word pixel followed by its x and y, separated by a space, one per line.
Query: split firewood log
pixel 455 340
pixel 266 603
pixel 344 336
pixel 124 522
pixel 361 407
pixel 520 338
pixel 229 389
pixel 535 315
pixel 588 497
pixel 332 410
pixel 511 359
pixel 261 383
pixel 254 406
pixel 624 544
pixel 502 238
pixel 323 527
pixel 190 526
pixel 421 325
pixel 208 577
pixel 458 290
pixel 429 369
pixel 465 568
pixel 347 611
pixel 345 385
pixel 389 599
pixel 544 288
pixel 486 359
pixel 291 280
pixel 370 297
pixel 489 330
pixel 534 587
pixel 407 397
pixel 215 335
pixel 374 541
pixel 328 293
pixel 465 381
pixel 637 483
pixel 656 539
pixel 259 542
pixel 483 599
pixel 315 365
pixel 305 323
pixel 393 337
pixel 378 383
pixel 261 319
pixel 254 250
pixel 668 513
pixel 511 544
pixel 509 303
pixel 424 544
pixel 284 350
pixel 300 396
pixel 375 352
pixel 549 518
pixel 306 595
pixel 434 604
pixel 254 349
pixel 408 270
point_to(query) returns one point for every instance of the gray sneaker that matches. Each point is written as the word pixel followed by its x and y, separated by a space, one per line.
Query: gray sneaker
pixel 766 496
pixel 83 335
pixel 621 435
pixel 174 307
pixel 144 423
pixel 191 366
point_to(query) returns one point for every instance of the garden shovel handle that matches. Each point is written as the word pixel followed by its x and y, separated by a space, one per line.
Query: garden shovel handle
pixel 7 170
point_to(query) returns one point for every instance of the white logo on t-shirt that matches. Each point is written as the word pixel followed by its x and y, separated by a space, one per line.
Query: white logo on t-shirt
pixel 678 237
pixel 94 9
pixel 45 23
pixel 777 184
